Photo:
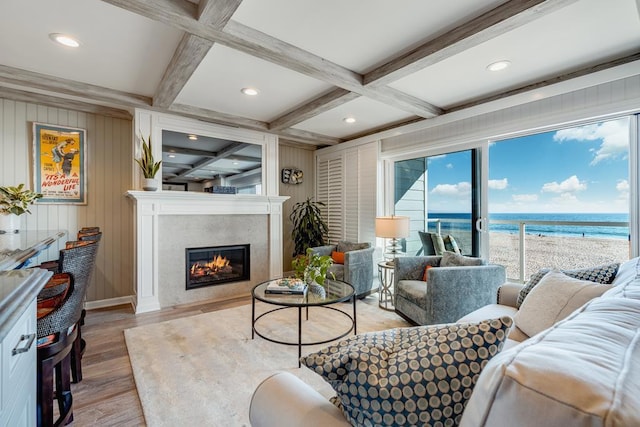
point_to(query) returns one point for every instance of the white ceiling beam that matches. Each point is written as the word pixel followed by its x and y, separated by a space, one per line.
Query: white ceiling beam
pixel 187 57
pixel 180 14
pixel 319 105
pixel 230 120
pixel 30 79
pixel 57 102
pixel 192 50
pixel 487 26
pixel 217 12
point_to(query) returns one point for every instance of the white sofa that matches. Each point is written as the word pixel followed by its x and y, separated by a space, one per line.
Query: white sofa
pixel 582 371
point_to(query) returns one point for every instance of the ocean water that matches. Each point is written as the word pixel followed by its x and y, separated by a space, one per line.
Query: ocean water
pixel 461 221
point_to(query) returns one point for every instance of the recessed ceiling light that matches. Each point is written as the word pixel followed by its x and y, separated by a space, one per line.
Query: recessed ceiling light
pixel 349 120
pixel 193 137
pixel 498 65
pixel 249 91
pixel 64 39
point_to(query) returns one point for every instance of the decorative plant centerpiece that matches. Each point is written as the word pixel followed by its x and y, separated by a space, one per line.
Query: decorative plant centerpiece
pixel 312 268
pixel 148 165
pixel 309 228
pixel 15 201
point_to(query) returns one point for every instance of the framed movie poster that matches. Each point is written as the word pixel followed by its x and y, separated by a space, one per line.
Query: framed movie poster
pixel 59 164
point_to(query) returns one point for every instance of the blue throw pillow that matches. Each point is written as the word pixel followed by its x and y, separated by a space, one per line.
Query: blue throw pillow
pixel 409 376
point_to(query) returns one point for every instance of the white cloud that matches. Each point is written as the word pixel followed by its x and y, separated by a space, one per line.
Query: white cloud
pixel 459 189
pixel 498 184
pixel 525 198
pixel 622 185
pixel 614 135
pixel 449 166
pixel 569 185
pixel 565 198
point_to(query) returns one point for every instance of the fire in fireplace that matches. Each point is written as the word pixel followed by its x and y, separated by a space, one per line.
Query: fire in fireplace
pixel 216 265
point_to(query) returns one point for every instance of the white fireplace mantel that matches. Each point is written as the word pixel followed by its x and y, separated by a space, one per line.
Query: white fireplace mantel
pixel 149 205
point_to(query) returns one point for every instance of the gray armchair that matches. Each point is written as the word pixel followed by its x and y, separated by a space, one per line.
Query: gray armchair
pixel 449 293
pixel 357 269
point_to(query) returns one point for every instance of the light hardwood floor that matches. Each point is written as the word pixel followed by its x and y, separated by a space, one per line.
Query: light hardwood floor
pixel 107 394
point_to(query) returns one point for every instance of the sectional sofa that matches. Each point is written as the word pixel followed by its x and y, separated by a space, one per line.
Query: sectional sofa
pixel 583 370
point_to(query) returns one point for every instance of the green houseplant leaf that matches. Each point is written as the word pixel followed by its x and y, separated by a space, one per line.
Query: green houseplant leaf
pixel 312 267
pixel 309 228
pixel 146 162
pixel 16 200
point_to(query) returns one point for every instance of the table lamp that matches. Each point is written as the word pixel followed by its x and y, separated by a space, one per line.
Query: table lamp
pixel 392 227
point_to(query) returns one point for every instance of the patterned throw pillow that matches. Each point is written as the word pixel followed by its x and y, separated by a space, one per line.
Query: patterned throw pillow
pixel 603 274
pixel 422 375
pixel 450 244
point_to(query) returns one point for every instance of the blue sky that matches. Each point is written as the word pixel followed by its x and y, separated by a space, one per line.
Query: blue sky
pixel 578 170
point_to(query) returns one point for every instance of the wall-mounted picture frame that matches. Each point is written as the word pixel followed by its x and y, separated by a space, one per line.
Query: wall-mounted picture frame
pixel 291 176
pixel 59 164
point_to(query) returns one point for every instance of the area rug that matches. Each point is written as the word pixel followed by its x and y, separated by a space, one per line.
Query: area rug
pixel 203 369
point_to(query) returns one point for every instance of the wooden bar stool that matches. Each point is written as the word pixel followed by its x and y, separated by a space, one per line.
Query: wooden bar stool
pixel 59 308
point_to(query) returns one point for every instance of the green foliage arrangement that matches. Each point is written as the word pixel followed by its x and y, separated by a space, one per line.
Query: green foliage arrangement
pixel 16 200
pixel 147 163
pixel 312 267
pixel 309 228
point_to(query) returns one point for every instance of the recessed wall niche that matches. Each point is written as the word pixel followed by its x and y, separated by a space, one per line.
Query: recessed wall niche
pixel 192 162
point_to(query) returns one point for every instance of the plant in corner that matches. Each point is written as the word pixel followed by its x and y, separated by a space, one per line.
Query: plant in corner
pixel 148 165
pixel 15 201
pixel 309 228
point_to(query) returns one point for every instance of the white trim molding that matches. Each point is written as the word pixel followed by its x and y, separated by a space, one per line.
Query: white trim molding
pixel 149 205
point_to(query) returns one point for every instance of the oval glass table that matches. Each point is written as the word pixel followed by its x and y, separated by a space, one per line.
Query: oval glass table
pixel 335 291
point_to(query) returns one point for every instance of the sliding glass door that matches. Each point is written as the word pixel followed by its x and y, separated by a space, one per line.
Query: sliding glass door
pixel 440 194
pixel 560 198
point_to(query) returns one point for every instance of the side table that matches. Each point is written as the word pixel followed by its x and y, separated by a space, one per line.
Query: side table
pixel 385 274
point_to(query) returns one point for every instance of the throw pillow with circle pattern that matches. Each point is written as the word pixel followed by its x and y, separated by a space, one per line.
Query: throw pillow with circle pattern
pixel 422 375
pixel 603 274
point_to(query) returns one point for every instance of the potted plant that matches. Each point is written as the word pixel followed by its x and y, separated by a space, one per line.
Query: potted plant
pixel 148 165
pixel 309 228
pixel 312 268
pixel 15 201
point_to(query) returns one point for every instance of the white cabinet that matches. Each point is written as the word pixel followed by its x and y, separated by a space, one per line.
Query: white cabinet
pixel 18 371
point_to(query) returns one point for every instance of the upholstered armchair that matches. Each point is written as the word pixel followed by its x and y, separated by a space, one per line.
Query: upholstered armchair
pixel 453 287
pixel 356 267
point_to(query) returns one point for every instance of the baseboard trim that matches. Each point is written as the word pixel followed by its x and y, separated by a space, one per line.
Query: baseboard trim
pixel 111 302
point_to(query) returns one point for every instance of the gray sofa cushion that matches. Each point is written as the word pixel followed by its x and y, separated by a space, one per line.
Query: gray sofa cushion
pixel 415 291
pixel 409 376
pixel 604 274
pixel 450 259
pixel 349 246
pixel 554 298
pixel 583 371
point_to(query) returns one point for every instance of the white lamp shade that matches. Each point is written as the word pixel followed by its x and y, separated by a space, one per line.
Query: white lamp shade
pixel 392 227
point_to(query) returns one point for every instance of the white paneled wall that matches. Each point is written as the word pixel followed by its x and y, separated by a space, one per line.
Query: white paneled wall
pixel 109 166
pixel 298 157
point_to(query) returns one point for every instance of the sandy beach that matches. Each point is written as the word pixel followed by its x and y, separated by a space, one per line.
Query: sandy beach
pixel 555 252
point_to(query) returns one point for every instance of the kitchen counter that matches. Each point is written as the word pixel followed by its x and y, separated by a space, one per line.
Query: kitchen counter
pixel 16 248
pixel 18 289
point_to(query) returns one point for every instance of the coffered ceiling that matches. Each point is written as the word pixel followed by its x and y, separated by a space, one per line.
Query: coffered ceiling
pixel 314 63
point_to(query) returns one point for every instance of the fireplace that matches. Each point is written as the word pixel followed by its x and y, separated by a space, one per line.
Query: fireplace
pixel 217 265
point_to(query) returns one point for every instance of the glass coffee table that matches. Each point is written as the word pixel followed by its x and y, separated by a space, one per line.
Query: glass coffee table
pixel 335 291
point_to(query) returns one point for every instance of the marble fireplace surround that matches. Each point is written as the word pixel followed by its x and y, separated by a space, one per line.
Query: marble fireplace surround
pixel 166 222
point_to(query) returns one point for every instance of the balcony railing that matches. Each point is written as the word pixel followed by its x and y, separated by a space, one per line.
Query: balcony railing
pixel 542 244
